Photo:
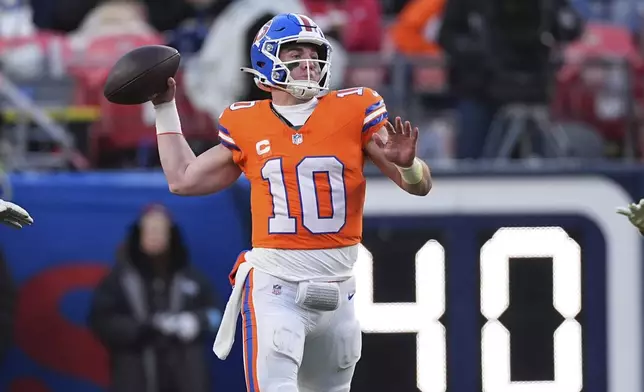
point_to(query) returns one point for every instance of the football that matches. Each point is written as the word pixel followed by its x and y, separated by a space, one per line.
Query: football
pixel 141 74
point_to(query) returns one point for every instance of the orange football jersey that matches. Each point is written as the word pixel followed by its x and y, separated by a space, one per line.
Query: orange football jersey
pixel 307 185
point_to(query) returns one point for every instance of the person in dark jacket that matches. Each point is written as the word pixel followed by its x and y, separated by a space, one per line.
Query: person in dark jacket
pixel 500 53
pixel 154 313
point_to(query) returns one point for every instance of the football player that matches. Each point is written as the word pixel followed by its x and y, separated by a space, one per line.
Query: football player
pixel 13 215
pixel 303 152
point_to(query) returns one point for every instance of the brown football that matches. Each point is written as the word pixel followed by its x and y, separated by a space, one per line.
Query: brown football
pixel 141 74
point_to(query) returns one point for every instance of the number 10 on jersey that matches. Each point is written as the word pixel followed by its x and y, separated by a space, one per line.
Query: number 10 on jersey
pixel 283 220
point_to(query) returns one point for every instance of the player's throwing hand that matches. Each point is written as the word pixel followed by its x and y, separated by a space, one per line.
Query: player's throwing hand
pixel 634 213
pixel 13 215
pixel 400 146
pixel 168 95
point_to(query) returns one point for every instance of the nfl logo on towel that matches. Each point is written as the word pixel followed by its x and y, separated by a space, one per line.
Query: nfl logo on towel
pixel 277 289
pixel 297 138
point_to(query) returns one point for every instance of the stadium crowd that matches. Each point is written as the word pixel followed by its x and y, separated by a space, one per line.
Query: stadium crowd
pixel 574 79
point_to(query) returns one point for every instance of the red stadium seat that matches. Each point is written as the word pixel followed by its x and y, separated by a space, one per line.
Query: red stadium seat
pixel 122 128
pixel 592 81
pixel 91 67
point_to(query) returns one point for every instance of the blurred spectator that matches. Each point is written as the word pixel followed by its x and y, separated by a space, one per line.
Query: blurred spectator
pixel 2 127
pixel 638 32
pixel 61 15
pixel 186 26
pixel 500 53
pixel 163 15
pixel 111 18
pixel 169 14
pixel 415 29
pixel 7 306
pixel 19 54
pixel 154 312
pixel 15 19
pixel 600 85
pixel 356 24
pixel 393 7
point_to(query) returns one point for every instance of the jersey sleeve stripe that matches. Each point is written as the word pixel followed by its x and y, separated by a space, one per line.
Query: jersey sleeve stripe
pixel 228 145
pixel 374 114
pixel 374 107
pixel 375 118
pixel 225 139
pixel 224 130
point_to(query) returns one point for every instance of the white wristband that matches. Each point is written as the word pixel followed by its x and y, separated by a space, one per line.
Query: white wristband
pixel 414 174
pixel 167 118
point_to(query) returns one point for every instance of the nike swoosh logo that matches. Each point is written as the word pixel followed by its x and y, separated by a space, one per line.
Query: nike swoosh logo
pixel 351 296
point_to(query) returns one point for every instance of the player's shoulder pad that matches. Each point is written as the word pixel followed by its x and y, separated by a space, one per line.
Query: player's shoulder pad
pixel 363 98
pixel 357 94
pixel 237 110
pixel 366 100
pixel 231 120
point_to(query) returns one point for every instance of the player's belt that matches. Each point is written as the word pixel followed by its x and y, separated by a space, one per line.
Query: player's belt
pixel 226 334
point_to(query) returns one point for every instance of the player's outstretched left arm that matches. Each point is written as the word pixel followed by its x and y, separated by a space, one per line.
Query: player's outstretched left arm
pixel 393 151
pixel 13 215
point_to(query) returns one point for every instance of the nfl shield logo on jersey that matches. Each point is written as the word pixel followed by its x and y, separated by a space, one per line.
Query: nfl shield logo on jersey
pixel 297 138
pixel 277 289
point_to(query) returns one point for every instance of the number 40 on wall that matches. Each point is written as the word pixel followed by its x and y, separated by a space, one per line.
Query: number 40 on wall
pixel 422 316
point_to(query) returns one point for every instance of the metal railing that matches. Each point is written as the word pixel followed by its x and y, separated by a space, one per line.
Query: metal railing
pixel 28 112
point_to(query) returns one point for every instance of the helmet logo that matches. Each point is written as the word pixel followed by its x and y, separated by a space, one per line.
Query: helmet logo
pixel 306 23
pixel 262 32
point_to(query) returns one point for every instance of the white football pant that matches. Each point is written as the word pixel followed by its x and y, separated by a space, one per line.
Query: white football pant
pixel 288 348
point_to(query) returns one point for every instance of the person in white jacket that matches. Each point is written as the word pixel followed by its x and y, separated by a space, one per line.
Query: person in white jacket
pixel 13 215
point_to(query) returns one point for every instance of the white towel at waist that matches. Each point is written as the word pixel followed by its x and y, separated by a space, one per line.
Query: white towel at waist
pixel 226 334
